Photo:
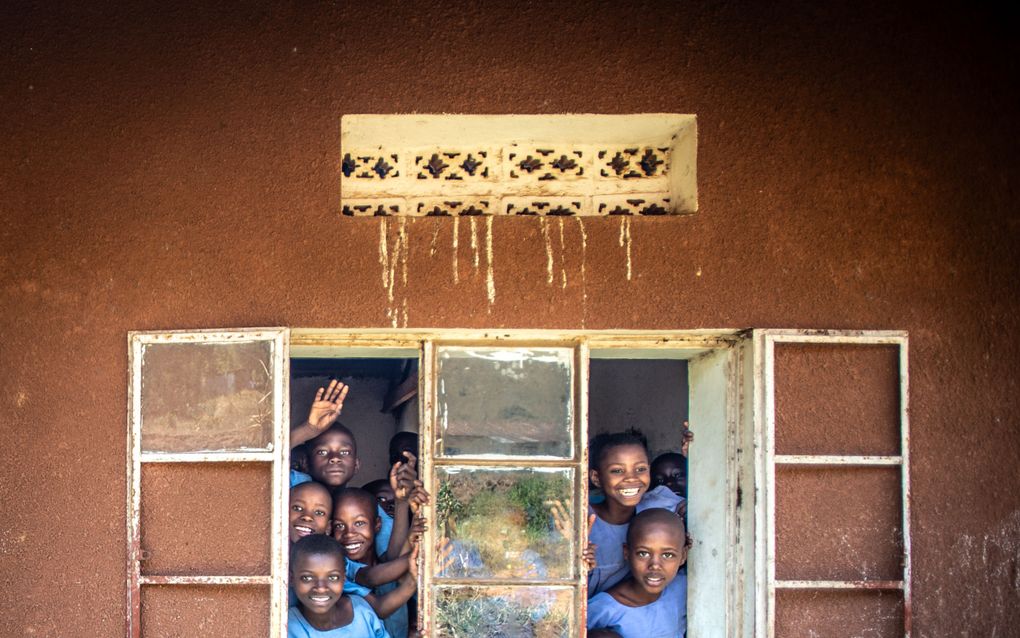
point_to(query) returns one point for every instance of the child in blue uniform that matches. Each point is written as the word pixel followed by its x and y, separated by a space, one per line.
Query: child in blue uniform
pixel 620 468
pixel 332 459
pixel 385 584
pixel 652 601
pixel 323 609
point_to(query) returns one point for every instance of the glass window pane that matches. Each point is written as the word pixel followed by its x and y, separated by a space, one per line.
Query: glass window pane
pixel 511 523
pixel 207 396
pixel 520 612
pixel 505 402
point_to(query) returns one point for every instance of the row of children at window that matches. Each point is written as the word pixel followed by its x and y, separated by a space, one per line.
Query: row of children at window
pixel 367 571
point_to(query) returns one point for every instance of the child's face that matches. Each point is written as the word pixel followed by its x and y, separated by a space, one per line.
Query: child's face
pixel 669 473
pixel 299 459
pixel 623 474
pixel 355 525
pixel 385 497
pixel 318 581
pixel 310 505
pixel 333 458
pixel 657 554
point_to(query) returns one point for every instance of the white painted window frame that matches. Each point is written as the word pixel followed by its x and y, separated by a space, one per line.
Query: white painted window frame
pixel 278 455
pixel 731 511
pixel 766 460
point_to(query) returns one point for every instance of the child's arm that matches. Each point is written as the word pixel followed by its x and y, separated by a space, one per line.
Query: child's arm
pixel 328 404
pixel 386 604
pixel 382 573
pixel 407 492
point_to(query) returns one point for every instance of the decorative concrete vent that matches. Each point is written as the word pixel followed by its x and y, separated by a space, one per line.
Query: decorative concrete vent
pixel 444 165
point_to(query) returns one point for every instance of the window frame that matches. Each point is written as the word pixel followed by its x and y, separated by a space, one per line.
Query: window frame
pixel 278 455
pixel 730 384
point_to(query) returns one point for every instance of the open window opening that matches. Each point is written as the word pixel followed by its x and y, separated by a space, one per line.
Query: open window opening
pixel 209 416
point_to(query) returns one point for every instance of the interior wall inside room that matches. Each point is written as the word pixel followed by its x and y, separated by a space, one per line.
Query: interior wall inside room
pixel 648 394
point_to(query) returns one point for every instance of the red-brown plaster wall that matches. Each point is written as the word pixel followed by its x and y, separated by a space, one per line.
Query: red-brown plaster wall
pixel 175 166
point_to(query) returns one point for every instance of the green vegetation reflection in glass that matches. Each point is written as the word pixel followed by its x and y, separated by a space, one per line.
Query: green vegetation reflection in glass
pixel 505 523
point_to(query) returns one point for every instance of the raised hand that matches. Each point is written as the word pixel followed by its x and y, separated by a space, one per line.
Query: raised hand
pixel 418 497
pixel 404 477
pixel 688 436
pixel 328 404
pixel 418 527
pixel 560 518
pixel 444 555
pixel 588 556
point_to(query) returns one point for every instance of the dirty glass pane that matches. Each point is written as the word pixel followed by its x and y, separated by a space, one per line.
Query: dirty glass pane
pixel 207 396
pixel 511 523
pixel 505 402
pixel 517 612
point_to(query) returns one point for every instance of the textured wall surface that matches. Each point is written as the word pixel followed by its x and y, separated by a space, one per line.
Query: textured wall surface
pixel 176 166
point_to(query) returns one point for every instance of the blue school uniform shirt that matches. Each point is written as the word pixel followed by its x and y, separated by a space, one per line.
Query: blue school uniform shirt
pixel 665 618
pixel 396 624
pixel 365 624
pixel 382 539
pixel 610 566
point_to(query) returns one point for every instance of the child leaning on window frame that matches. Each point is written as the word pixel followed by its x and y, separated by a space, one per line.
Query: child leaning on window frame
pixel 652 601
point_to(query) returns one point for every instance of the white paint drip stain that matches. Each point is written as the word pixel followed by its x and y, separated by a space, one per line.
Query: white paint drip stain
pixel 456 238
pixel 403 265
pixel 584 280
pixel 403 251
pixel 544 225
pixel 625 241
pixel 384 258
pixel 474 245
pixel 490 280
pixel 435 237
pixel 563 257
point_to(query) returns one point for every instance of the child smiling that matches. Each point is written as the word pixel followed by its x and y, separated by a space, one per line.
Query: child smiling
pixel 323 609
pixel 620 468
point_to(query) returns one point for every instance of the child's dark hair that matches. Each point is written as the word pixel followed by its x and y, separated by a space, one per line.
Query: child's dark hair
pixel 375 486
pixel 316 545
pixel 367 499
pixel 604 442
pixel 672 457
pixel 398 442
pixel 336 427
